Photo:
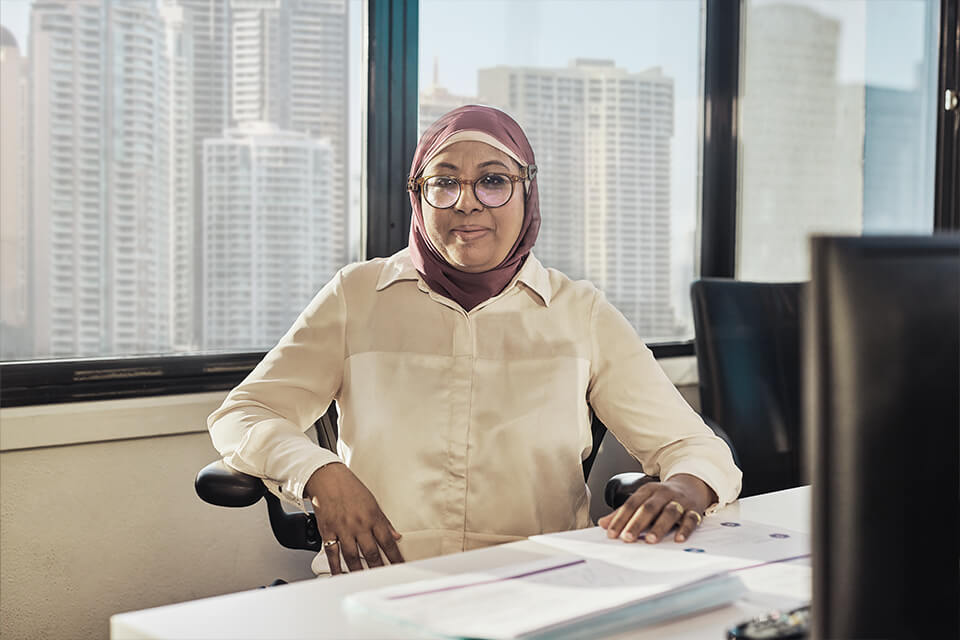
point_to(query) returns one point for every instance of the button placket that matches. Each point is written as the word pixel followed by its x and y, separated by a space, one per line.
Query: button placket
pixel 460 384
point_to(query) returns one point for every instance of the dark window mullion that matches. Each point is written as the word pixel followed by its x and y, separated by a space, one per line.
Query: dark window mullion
pixel 391 122
pixel 718 223
pixel 947 187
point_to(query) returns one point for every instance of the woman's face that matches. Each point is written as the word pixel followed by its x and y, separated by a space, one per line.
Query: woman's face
pixel 470 236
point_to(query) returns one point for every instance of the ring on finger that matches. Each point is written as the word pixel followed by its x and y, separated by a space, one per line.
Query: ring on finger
pixel 676 507
pixel 329 543
pixel 696 515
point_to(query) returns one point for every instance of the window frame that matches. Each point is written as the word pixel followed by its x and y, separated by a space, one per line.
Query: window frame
pixel 391 54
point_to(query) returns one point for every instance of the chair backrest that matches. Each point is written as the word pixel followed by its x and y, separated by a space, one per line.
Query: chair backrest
pixel 748 359
pixel 326 426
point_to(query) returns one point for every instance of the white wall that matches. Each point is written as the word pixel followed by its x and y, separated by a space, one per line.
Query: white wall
pixel 96 528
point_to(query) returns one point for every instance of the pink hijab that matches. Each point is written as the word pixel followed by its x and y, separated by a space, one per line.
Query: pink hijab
pixel 470 289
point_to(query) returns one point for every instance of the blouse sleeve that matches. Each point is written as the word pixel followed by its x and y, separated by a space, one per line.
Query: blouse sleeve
pixel 260 427
pixel 633 397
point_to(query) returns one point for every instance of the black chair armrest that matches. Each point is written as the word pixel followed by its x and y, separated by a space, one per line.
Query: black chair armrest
pixel 220 485
pixel 622 485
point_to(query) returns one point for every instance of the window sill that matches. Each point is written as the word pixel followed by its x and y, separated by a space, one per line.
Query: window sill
pixel 53 425
pixel 71 423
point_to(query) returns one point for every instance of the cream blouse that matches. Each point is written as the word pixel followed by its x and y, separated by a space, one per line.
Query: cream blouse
pixel 469 428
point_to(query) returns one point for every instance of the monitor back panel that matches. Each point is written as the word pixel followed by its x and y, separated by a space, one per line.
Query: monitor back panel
pixel 882 418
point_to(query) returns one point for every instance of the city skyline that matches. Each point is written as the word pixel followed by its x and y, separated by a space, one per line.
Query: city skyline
pixel 193 86
pixel 150 123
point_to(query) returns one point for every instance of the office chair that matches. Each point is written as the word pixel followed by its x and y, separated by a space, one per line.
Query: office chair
pixel 748 359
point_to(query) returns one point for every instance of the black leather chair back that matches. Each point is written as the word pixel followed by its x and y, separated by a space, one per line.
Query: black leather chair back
pixel 748 358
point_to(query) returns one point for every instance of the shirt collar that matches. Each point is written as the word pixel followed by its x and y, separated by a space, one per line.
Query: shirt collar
pixel 399 267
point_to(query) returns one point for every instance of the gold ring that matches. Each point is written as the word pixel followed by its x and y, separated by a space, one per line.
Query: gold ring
pixel 699 517
pixel 330 543
pixel 677 507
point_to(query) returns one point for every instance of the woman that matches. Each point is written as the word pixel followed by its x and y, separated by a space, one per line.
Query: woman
pixel 463 369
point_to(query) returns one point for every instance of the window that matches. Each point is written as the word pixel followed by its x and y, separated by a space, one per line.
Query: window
pixel 175 175
pixel 636 130
pixel 837 126
pixel 93 229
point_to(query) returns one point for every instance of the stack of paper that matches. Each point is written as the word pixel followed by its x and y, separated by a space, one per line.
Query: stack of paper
pixel 595 586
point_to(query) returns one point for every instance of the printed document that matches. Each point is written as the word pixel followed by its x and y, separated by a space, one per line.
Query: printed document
pixel 549 595
pixel 594 583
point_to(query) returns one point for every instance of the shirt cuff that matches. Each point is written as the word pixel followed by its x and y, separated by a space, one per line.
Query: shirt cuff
pixel 724 483
pixel 290 490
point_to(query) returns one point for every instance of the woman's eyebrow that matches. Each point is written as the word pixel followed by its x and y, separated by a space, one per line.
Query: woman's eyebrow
pixel 491 162
pixel 445 165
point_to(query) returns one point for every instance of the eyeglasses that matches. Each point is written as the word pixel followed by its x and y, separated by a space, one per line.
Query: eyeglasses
pixel 492 190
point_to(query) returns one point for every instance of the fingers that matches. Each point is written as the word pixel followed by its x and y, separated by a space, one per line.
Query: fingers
pixel 616 521
pixel 669 516
pixel 351 554
pixel 332 551
pixel 370 550
pixel 690 521
pixel 655 509
pixel 387 538
pixel 649 512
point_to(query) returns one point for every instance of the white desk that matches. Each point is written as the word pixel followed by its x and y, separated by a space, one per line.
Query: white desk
pixel 312 608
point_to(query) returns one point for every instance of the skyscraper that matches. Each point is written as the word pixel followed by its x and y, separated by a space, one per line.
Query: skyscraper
pixel 602 137
pixel 802 142
pixel 68 73
pixel 282 62
pixel 100 145
pixel 184 176
pixel 138 226
pixel 271 233
pixel 14 223
pixel 206 26
pixel 289 67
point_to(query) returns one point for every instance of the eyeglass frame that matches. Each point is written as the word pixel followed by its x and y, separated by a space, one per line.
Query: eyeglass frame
pixel 528 172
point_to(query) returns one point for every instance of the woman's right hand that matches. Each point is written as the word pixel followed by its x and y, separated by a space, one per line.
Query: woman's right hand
pixel 347 511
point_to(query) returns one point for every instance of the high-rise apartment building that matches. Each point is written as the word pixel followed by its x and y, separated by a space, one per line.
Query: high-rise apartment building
pixel 802 142
pixel 100 178
pixel 289 67
pixel 184 176
pixel 602 136
pixel 138 227
pixel 271 233
pixel 15 335
pixel 68 74
pixel 206 26
pixel 898 160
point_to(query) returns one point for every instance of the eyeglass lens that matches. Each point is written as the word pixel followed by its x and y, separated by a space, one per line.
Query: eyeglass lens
pixel 492 190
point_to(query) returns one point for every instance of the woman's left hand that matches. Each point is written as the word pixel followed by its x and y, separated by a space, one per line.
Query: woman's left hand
pixel 659 506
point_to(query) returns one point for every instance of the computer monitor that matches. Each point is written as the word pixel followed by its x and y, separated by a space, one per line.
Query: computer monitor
pixel 882 416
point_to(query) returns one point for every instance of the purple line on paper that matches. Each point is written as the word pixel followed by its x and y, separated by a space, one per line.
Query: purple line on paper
pixel 491 581
pixel 763 564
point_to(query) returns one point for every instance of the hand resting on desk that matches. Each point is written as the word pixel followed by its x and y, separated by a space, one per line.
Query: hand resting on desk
pixel 347 512
pixel 659 506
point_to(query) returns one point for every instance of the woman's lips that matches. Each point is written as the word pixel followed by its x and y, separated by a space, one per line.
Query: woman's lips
pixel 470 233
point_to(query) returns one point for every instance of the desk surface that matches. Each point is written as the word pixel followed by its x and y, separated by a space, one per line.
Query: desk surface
pixel 312 608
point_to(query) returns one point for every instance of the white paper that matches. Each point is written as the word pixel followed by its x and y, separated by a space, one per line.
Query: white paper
pixel 716 545
pixel 523 599
pixel 603 580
